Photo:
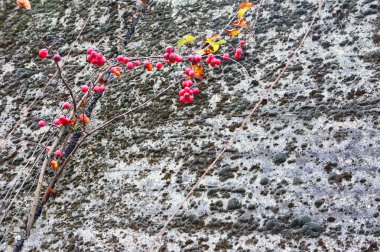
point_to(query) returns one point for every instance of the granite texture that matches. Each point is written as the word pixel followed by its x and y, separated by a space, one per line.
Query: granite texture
pixel 304 174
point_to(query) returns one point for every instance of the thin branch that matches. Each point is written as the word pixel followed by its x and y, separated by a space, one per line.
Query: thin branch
pixel 62 167
pixel 68 88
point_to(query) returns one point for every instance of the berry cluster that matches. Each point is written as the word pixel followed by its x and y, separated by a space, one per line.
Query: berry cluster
pixel 186 95
pixel 63 120
pixel 95 58
pixel 171 57
pixel 194 59
pixel 101 89
pixel 213 61
pixel 128 63
pixel 116 70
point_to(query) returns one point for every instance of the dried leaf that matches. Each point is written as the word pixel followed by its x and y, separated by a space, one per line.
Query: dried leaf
pixel 24 4
pixel 233 33
pixel 241 23
pixel 51 191
pixel 184 40
pixel 199 74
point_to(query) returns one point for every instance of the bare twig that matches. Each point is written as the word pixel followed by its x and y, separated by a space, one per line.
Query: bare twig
pixel 68 88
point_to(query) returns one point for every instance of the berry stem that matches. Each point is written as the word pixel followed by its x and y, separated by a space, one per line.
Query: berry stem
pixel 68 88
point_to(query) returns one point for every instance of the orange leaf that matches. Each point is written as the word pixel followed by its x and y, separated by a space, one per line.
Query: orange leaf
pixel 51 191
pixel 233 33
pixel 207 51
pixel 241 23
pixel 199 74
pixel 24 4
pixel 245 5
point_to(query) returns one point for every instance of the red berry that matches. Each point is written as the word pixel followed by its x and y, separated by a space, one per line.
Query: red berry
pixel 187 71
pixel 90 50
pixel 102 61
pixel 198 58
pixel 102 88
pixel 159 65
pixel 41 123
pixel 96 89
pixel 182 92
pixel 169 49
pixel 211 56
pixel 57 122
pixel 191 58
pixel 84 88
pixel 172 56
pixel 226 56
pixel 208 60
pixel 66 105
pixel 218 62
pixel 43 53
pixel 120 58
pixel 166 56
pixel 192 73
pixel 242 42
pixel 190 99
pixel 182 99
pixel 196 90
pixel 94 54
pixel 58 153
pixel 237 56
pixel 89 58
pixel 57 58
pixel 239 51
pixel 214 62
pixel 178 58
pixel 136 63
pixel 126 60
pixel 130 65
pixel 67 120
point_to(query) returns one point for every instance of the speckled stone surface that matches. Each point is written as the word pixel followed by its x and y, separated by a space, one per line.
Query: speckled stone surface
pixel 304 175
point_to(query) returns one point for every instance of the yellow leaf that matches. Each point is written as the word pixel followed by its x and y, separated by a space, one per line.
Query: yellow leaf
pixel 242 11
pixel 212 38
pixel 243 7
pixel 241 23
pixel 24 4
pixel 184 40
pixel 199 74
pixel 233 33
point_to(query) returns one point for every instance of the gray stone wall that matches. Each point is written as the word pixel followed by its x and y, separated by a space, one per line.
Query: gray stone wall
pixel 304 174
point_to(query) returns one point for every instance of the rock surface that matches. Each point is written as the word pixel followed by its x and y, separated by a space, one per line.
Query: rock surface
pixel 317 141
